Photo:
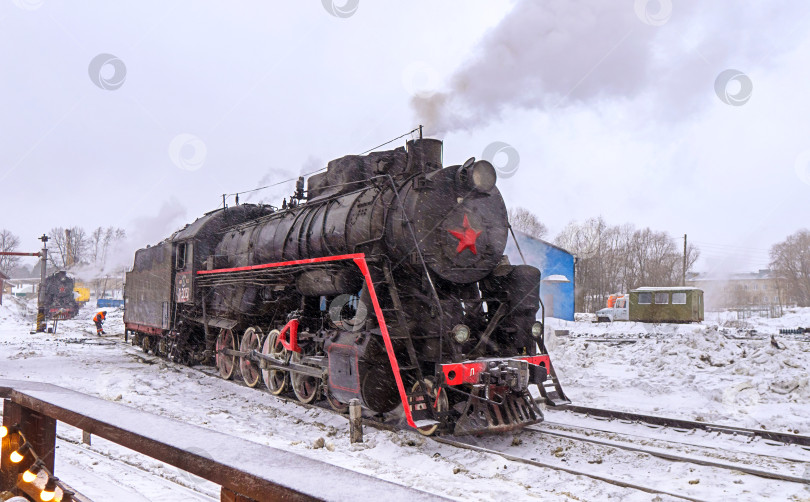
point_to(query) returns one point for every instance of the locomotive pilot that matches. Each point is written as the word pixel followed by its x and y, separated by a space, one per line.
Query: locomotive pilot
pixel 99 320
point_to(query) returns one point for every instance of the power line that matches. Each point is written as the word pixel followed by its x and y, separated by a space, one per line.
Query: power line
pixel 730 246
pixel 733 250
pixel 391 141
pixel 228 195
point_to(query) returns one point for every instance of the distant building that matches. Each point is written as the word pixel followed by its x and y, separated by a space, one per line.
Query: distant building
pixel 760 289
pixel 557 268
pixel 24 289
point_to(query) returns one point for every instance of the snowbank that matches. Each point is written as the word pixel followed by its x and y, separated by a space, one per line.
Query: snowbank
pixel 721 370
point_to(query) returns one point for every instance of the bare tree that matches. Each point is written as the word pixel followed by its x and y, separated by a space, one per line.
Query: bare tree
pixel 8 243
pixel 527 222
pixel 96 244
pixel 790 260
pixel 614 259
pixel 68 252
pixel 100 242
pixel 585 242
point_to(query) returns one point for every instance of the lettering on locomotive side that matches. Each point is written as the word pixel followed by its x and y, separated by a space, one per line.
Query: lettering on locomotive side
pixel 183 287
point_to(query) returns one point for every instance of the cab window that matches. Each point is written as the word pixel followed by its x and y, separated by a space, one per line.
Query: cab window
pixel 181 256
pixel 619 304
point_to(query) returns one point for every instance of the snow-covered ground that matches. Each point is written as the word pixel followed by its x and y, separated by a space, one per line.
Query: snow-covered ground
pixel 721 370
pixel 678 371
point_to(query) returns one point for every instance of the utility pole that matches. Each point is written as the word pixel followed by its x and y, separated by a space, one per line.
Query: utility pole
pixel 43 255
pixel 41 323
pixel 683 276
pixel 69 248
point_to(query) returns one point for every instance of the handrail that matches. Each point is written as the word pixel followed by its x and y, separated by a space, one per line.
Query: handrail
pixel 240 466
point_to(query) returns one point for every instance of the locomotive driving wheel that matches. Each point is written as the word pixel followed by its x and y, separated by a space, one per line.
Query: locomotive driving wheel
pixel 336 405
pixel 251 340
pixel 162 347
pixel 439 403
pixel 306 388
pixel 275 380
pixel 226 363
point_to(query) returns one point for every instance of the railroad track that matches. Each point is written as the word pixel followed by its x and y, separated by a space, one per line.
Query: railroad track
pixel 716 469
pixel 131 473
pixel 607 415
pixel 676 423
pixel 652 420
pixel 703 460
pixel 578 472
pixel 377 424
pixel 684 437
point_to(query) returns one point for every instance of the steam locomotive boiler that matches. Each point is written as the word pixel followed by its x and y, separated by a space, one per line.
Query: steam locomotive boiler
pixel 385 281
pixel 58 298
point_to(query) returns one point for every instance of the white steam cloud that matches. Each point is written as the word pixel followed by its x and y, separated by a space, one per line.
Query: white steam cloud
pixel 286 183
pixel 559 53
pixel 171 216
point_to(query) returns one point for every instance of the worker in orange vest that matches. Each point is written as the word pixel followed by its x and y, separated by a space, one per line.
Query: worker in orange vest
pixel 99 320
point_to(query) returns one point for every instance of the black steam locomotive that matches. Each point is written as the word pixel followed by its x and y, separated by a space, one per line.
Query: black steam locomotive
pixel 385 281
pixel 58 298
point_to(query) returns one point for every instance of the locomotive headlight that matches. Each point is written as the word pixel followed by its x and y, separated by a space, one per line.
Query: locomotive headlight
pixel 537 330
pixel 477 175
pixel 461 333
pixel 483 176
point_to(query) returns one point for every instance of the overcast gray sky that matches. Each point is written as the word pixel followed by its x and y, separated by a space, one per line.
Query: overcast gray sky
pixel 615 108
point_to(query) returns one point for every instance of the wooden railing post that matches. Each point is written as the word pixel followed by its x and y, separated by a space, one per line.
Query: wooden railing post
pixel 40 432
pixel 8 471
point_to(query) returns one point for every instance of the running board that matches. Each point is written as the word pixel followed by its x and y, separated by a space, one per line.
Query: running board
pixel 425 423
pixel 552 392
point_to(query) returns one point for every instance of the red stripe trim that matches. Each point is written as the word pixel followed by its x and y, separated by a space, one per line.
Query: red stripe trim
pixel 307 261
pixel 142 328
pixel 540 360
pixel 360 260
pixel 470 371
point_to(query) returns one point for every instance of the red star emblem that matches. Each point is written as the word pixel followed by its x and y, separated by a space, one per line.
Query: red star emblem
pixel 466 236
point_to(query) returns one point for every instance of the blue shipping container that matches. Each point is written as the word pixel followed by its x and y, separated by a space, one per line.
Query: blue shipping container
pixel 557 268
pixel 106 302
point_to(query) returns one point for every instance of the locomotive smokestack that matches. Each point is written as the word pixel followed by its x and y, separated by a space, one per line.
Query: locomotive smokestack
pixel 424 154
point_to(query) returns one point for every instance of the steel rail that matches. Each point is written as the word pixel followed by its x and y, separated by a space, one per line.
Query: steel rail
pixel 677 423
pixel 388 427
pixel 371 422
pixel 131 465
pixel 537 463
pixel 682 440
pixel 674 457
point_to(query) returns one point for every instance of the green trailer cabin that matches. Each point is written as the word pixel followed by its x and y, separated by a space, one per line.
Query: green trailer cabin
pixel 670 304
